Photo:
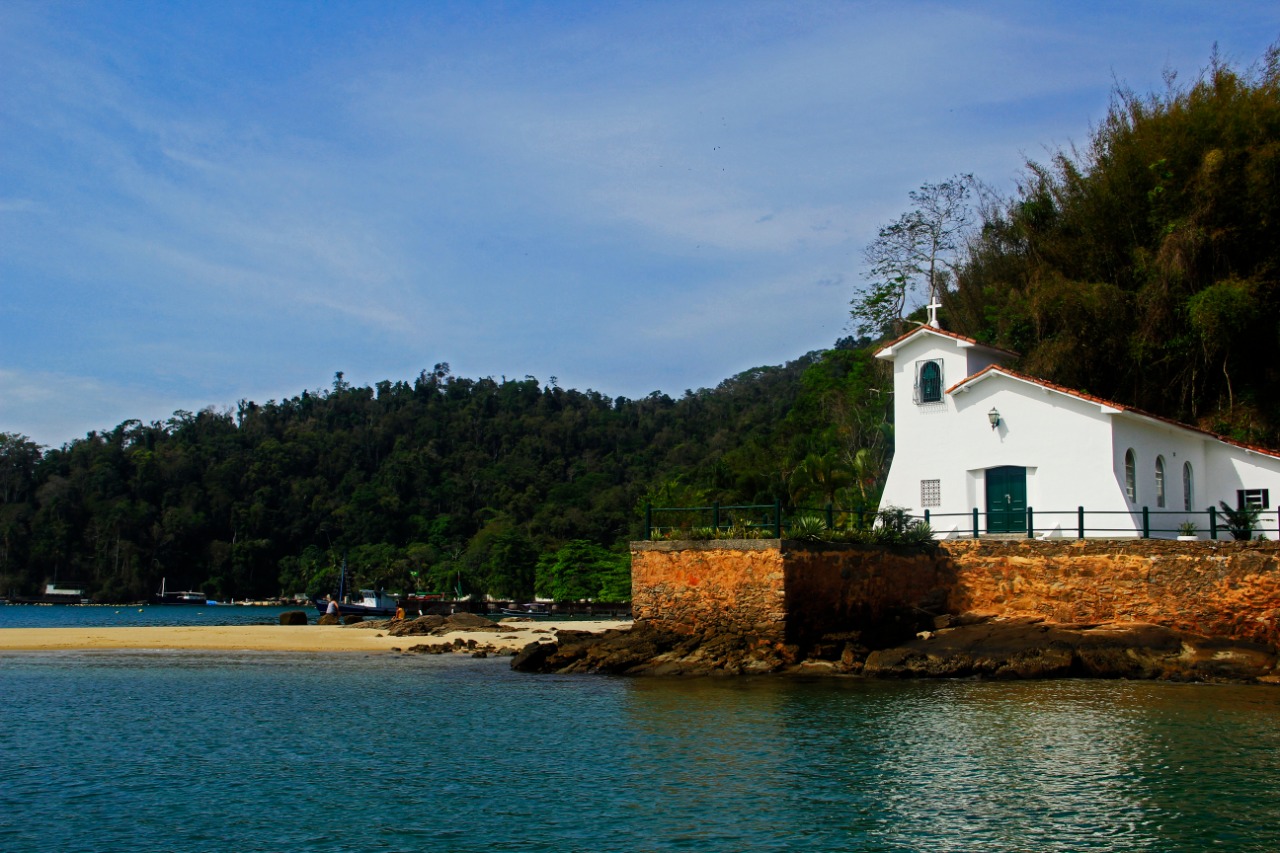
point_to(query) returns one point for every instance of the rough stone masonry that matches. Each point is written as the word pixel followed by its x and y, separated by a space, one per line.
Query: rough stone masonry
pixel 794 592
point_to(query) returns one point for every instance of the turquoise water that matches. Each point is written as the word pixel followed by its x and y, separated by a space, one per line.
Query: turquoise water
pixel 138 615
pixel 161 615
pixel 183 751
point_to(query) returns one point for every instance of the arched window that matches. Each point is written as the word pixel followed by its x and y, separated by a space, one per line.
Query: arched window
pixel 931 382
pixel 1131 476
pixel 1188 491
pixel 1160 481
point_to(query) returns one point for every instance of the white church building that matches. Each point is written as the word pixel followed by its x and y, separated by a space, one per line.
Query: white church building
pixel 981 449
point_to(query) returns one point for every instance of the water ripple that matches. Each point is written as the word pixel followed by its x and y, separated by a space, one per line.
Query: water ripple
pixel 200 751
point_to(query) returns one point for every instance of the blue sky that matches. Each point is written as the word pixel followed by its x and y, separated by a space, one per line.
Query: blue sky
pixel 207 202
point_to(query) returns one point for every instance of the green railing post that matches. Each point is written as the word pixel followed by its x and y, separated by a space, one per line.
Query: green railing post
pixel 777 519
pixel 1031 523
pixel 648 522
pixel 975 522
pixel 831 517
pixel 1080 520
pixel 1146 523
pixel 1213 522
pixel 715 516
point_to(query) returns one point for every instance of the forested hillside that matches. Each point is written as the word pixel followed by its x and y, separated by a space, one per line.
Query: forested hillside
pixel 1145 267
pixel 496 487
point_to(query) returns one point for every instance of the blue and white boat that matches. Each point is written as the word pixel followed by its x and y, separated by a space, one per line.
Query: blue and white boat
pixel 371 603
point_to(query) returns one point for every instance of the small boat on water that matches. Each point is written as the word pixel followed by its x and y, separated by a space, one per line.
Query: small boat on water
pixel 184 597
pixel 371 603
pixel 533 608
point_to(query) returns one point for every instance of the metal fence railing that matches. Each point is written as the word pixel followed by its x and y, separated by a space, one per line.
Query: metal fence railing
pixel 1081 523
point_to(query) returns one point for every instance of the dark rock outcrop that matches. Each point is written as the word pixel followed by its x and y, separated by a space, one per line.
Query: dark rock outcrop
pixel 435 625
pixel 470 647
pixel 649 650
pixel 293 617
pixel 1032 648
pixel 438 626
pixel 962 646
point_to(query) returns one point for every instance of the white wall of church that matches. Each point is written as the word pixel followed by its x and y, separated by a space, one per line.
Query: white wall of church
pixel 1218 470
pixel 1151 441
pixel 1073 450
pixel 1231 468
pixel 953 443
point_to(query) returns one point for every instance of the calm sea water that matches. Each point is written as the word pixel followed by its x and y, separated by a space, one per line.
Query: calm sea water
pixel 138 615
pixel 151 751
pixel 163 615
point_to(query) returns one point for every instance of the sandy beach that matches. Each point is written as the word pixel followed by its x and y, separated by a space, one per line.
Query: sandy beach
pixel 275 638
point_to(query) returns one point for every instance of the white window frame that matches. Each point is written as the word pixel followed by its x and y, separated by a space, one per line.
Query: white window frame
pixel 1256 498
pixel 1131 475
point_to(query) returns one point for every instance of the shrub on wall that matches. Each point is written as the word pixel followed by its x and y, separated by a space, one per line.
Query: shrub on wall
pixel 892 527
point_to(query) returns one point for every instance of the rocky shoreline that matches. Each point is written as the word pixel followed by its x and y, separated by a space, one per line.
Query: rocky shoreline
pixel 512 628
pixel 966 646
pixel 970 645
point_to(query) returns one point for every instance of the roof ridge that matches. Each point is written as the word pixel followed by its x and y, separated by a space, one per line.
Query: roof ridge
pixel 1119 407
pixel 925 327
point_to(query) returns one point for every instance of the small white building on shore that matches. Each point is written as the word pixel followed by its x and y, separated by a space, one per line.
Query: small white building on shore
pixel 980 445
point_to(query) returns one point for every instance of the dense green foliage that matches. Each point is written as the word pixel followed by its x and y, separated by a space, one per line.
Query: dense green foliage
pixel 444 484
pixel 1146 267
pixel 888 526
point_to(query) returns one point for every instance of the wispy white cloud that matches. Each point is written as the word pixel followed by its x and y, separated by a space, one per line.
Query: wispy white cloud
pixel 18 205
pixel 617 193
pixel 38 401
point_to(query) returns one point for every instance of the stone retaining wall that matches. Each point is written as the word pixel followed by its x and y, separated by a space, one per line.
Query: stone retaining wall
pixel 1227 589
pixel 728 586
pixel 795 592
pixel 778 590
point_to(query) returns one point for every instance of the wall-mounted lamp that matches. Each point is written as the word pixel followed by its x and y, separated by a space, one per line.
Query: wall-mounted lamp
pixel 994 417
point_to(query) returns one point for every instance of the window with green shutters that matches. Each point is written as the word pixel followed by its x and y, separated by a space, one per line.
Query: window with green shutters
pixel 929 382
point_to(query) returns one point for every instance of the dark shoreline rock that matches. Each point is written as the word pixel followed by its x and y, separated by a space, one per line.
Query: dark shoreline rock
pixel 645 649
pixel 966 646
pixel 435 625
pixel 1032 648
pixel 438 626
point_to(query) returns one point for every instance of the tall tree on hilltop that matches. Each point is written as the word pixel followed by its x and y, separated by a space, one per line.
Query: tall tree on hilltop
pixel 1146 267
pixel 915 253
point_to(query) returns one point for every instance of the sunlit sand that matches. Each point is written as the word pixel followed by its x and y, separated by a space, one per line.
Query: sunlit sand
pixel 277 638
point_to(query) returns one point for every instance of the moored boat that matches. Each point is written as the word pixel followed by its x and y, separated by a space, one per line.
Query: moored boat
pixel 371 603
pixel 185 597
pixel 533 608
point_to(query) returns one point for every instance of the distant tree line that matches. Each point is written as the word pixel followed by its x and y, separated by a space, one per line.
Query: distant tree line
pixel 441 485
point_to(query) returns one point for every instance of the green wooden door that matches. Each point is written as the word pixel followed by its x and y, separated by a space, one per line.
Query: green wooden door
pixel 1007 499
